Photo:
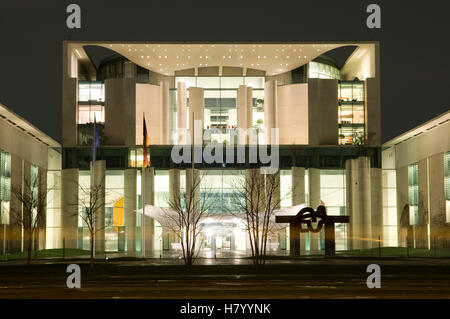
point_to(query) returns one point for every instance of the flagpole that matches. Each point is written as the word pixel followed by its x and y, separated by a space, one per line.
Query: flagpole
pixel 143 192
pixel 94 156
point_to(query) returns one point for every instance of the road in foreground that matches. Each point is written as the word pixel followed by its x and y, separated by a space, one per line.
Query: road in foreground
pixel 322 278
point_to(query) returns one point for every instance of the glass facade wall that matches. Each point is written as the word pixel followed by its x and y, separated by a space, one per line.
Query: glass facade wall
pixel 332 195
pixel 53 216
pixel 91 98
pixel 389 184
pixel 351 112
pixel 114 213
pixel 220 113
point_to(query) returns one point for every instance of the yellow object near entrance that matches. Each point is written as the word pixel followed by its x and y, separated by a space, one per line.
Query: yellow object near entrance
pixel 118 214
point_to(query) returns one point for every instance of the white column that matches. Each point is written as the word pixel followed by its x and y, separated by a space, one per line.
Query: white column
pixel 130 177
pixel 244 111
pixel 69 204
pixel 192 181
pixel 165 109
pixel 359 202
pixel 174 185
pixel 182 124
pixel 98 179
pixel 148 198
pixel 298 197
pixel 270 109
pixel 314 202
pixel 196 106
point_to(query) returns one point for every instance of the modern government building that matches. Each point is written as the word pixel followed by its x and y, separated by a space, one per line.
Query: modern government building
pixel 328 116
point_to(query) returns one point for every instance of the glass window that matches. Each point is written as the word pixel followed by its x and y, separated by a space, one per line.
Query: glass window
pixel 231 82
pixel 323 71
pixel 208 82
pixel 91 96
pixel 5 187
pixel 189 80
pixel 351 114
pixel 413 193
pixel 390 234
pixel 256 82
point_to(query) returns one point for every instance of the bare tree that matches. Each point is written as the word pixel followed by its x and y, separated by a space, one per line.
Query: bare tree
pixel 30 215
pixel 255 199
pixel 91 203
pixel 185 214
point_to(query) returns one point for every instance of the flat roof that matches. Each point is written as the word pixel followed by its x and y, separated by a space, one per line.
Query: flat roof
pixel 429 125
pixel 167 58
pixel 19 122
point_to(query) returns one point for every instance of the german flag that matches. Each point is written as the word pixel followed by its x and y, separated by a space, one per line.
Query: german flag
pixel 145 144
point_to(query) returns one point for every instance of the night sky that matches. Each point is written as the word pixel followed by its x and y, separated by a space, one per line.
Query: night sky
pixel 414 42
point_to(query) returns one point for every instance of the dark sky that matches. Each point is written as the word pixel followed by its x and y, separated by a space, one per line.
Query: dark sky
pixel 414 41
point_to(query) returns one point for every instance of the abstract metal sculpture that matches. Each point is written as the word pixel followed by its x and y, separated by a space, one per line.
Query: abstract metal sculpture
pixel 308 216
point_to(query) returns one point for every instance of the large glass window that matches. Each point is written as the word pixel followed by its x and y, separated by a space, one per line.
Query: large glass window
pixel 351 112
pixel 286 188
pixel 447 185
pixel 413 193
pixel 390 237
pixel 114 211
pixel 332 196
pixel 91 97
pixel 220 113
pixel 323 71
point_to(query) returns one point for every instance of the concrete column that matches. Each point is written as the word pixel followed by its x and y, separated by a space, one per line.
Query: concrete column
pixel 314 202
pixel 439 229
pixel 402 205
pixel 249 107
pixel 182 124
pixel 174 185
pixel 25 184
pixel 42 189
pixel 14 232
pixel 196 106
pixel 192 185
pixel 272 183
pixel 69 207
pixel 69 99
pixel 244 111
pixel 270 109
pixel 422 225
pixel 148 184
pixel 359 202
pixel 376 205
pixel 129 203
pixel 165 110
pixel 98 181
pixel 298 197
pixel 373 111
